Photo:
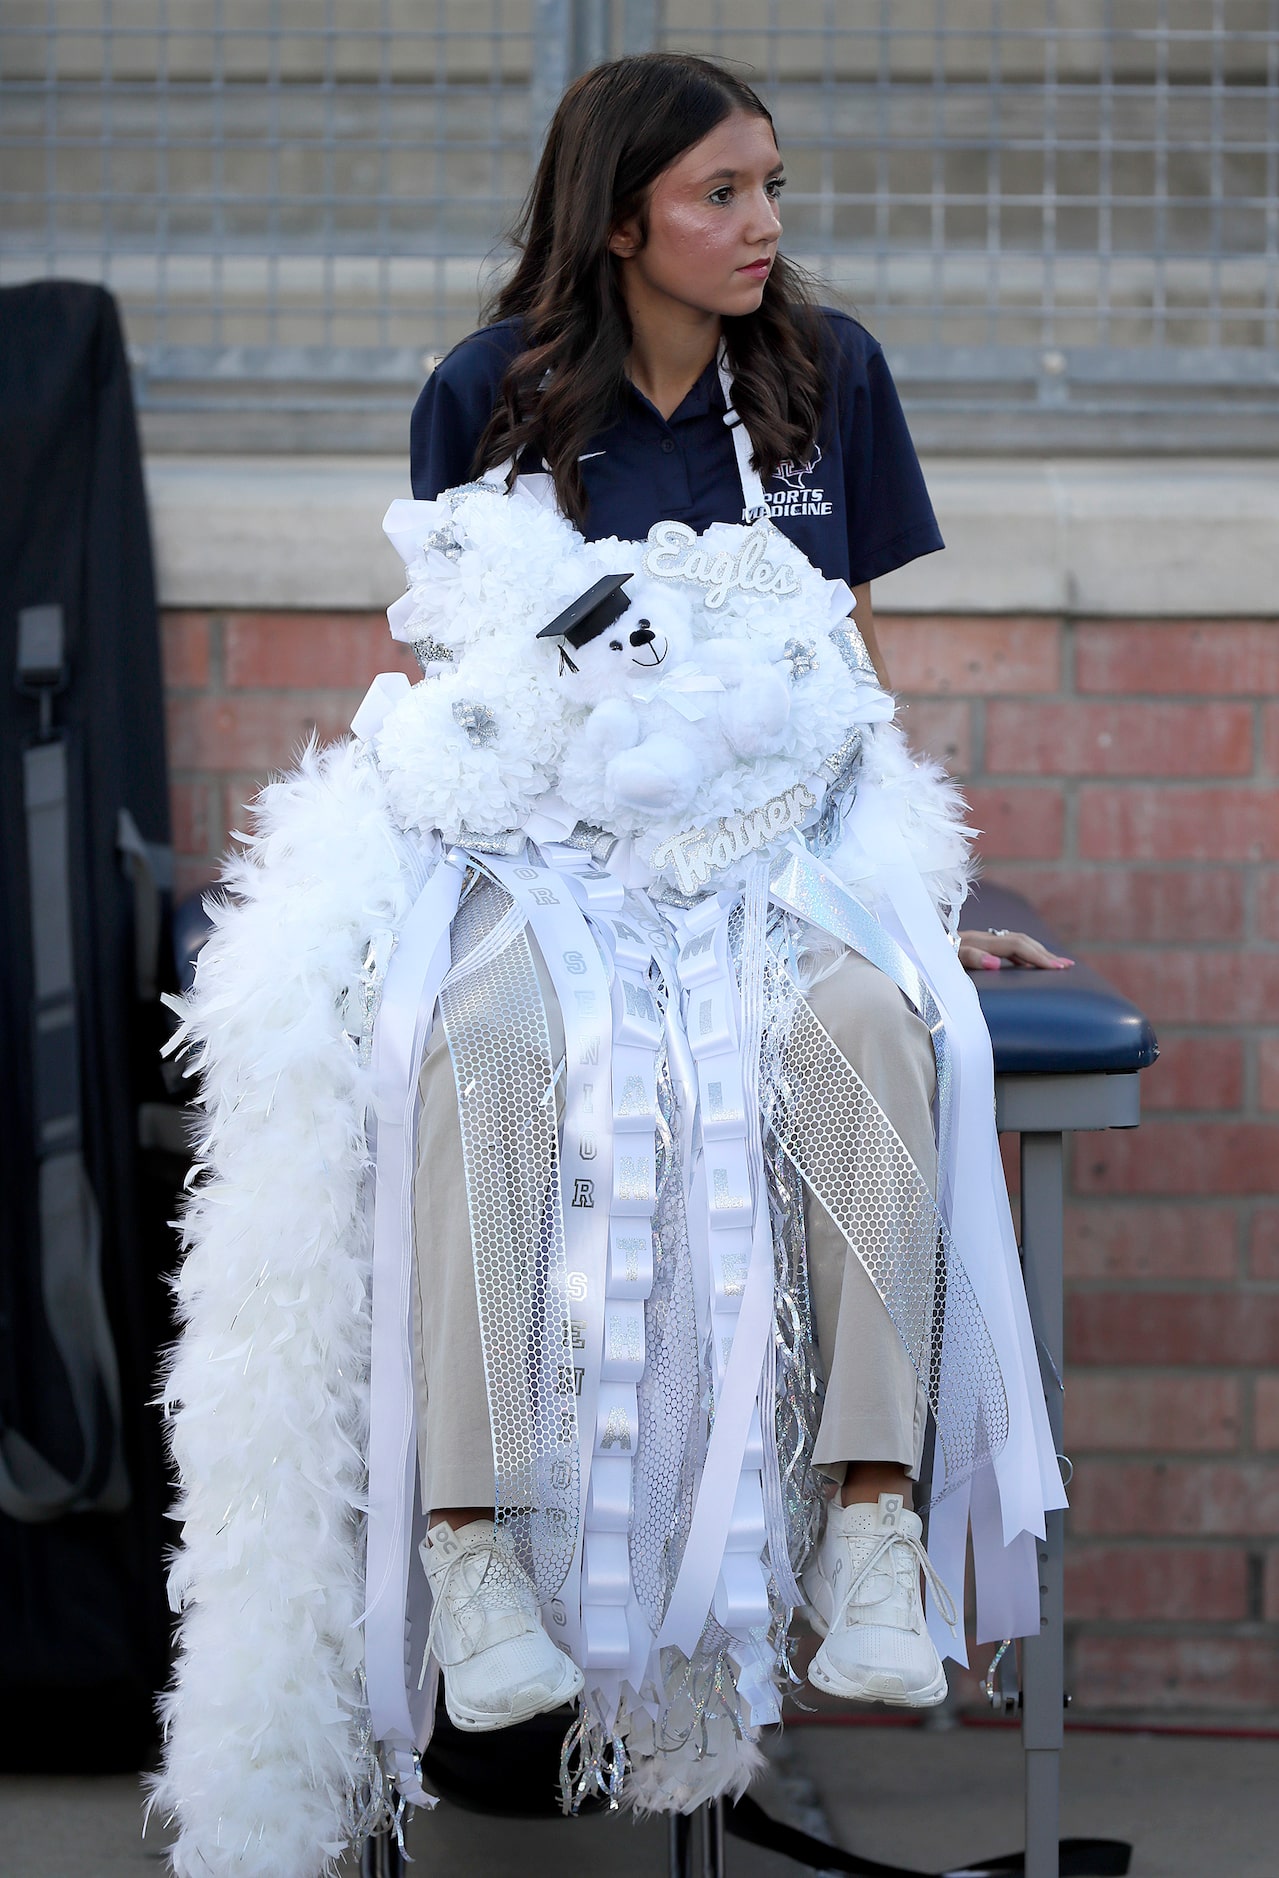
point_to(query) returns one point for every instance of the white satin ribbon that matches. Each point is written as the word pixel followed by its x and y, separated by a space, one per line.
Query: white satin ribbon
pixel 637 1035
pixel 732 1239
pixel 681 688
pixel 619 1640
pixel 401 1715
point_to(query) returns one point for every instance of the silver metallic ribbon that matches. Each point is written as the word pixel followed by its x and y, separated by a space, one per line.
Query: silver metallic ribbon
pixel 495 1024
pixel 851 1157
pixel 805 886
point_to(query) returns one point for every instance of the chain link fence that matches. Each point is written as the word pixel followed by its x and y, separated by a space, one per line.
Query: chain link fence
pixel 1060 216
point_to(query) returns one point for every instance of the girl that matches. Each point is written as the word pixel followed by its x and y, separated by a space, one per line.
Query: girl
pixel 687 1194
pixel 648 243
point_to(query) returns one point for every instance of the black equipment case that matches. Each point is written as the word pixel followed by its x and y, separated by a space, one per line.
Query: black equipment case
pixel 85 866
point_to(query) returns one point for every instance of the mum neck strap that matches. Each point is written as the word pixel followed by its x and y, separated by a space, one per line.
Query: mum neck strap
pixel 754 500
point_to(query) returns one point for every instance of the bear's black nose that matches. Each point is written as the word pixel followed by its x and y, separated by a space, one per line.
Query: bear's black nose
pixel 643 634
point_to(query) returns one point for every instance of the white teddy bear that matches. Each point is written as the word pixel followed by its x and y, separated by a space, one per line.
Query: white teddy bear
pixel 665 711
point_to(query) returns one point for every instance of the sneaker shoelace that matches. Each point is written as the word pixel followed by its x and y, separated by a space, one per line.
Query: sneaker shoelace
pixel 508 1576
pixel 917 1560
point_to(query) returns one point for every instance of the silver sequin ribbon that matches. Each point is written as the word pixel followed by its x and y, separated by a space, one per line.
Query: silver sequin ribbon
pixel 495 1024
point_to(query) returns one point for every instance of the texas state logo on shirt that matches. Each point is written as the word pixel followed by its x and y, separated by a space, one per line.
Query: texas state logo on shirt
pixel 797 495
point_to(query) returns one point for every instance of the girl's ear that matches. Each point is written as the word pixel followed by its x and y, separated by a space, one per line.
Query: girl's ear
pixel 626 239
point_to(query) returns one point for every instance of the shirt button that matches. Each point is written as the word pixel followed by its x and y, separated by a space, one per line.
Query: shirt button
pixel 668 446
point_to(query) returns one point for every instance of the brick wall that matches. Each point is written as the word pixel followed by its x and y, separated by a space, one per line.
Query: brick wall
pixel 1123 773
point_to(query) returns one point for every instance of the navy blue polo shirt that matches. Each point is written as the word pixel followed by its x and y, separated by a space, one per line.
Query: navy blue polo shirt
pixel 858 508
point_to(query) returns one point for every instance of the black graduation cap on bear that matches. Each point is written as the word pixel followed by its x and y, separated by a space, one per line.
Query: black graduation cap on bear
pixel 592 613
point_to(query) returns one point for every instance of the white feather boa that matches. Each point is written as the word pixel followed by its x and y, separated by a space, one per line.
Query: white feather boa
pixel 267 1391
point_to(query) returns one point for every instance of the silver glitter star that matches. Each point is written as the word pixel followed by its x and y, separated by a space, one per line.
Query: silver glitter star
pixel 446 542
pixel 430 652
pixel 477 721
pixel 800 656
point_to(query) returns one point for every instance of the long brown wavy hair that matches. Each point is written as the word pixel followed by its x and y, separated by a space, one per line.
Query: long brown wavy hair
pixel 616 129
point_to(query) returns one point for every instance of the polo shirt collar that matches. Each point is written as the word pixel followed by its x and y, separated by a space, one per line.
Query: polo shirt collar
pixel 705 394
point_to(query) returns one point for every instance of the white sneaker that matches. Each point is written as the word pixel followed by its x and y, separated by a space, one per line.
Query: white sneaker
pixel 499 1665
pixel 862 1586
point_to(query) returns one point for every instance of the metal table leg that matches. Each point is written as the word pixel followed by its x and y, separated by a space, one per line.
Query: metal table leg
pixel 680 1845
pixel 381 1857
pixel 696 1842
pixel 1043 1686
pixel 713 1839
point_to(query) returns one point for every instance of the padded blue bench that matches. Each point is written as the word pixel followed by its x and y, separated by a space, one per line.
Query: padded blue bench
pixel 1053 1023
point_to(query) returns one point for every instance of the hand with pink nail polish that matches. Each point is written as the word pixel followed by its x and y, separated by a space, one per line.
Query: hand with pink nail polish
pixel 988 951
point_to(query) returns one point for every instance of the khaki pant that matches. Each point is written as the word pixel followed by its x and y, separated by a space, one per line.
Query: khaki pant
pixel 874 1410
